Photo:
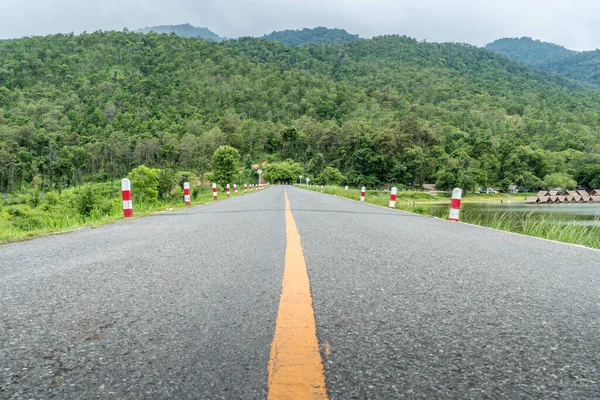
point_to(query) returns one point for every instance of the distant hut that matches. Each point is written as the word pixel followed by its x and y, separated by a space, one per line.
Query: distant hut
pixel 553 193
pixel 542 193
pixel 531 200
pixel 562 199
pixel 543 199
pixel 576 199
pixel 596 199
pixel 595 192
pixel 553 199
pixel 583 193
pixel 572 193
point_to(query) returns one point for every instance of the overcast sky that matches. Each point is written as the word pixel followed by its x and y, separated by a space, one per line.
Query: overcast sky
pixel 572 23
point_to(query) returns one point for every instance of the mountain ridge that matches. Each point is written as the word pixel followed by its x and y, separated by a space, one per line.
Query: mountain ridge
pixel 583 66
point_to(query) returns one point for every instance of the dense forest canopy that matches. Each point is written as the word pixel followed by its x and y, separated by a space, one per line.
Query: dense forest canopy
pixel 318 35
pixel 184 30
pixel 391 109
pixel 528 51
pixel 583 66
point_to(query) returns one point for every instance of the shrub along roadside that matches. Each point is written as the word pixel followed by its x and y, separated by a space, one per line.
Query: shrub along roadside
pixel 530 225
pixel 87 206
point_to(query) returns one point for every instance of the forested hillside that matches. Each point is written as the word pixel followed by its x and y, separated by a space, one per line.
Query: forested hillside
pixel 185 30
pixel 582 66
pixel 387 110
pixel 528 51
pixel 319 35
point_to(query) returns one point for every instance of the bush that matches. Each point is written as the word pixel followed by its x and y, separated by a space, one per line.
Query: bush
pixel 52 198
pixel 144 184
pixel 225 165
pixel 167 179
pixel 85 201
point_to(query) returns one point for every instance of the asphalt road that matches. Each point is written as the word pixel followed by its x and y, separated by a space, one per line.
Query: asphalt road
pixel 184 305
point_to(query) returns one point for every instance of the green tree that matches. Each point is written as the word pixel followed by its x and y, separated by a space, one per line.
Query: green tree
pixel 225 163
pixel 33 194
pixel 446 180
pixel 144 184
pixel 167 179
pixel 330 176
pixel 559 180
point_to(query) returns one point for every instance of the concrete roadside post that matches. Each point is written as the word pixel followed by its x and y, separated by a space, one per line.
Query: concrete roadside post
pixel 235 189
pixel 455 205
pixel 345 189
pixel 228 190
pixel 126 196
pixel 393 197
pixel 321 188
pixel 214 191
pixel 245 188
pixel 187 199
pixel 363 193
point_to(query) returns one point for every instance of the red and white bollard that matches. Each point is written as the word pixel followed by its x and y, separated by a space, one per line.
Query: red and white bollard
pixel 228 190
pixel 455 205
pixel 214 191
pixel 126 195
pixel 235 189
pixel 186 193
pixel 393 197
pixel 345 189
pixel 245 188
pixel 363 193
pixel 321 188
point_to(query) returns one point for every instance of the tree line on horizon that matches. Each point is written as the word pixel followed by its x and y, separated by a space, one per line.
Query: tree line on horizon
pixel 92 107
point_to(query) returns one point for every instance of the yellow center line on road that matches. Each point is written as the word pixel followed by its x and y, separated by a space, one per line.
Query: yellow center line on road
pixel 295 367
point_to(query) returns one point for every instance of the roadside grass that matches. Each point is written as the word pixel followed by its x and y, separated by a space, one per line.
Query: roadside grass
pixel 568 231
pixel 57 213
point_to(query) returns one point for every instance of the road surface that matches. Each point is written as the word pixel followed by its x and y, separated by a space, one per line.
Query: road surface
pixel 187 305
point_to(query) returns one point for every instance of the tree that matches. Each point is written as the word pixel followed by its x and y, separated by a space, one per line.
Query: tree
pixel 144 183
pixel 225 165
pixel 330 176
pixel 446 180
pixel 167 179
pixel 286 171
pixel 559 180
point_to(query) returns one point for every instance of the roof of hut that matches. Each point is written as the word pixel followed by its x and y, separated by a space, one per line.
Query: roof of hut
pixel 596 199
pixel 531 200
pixel 582 193
pixel 542 193
pixel 553 193
pixel 543 199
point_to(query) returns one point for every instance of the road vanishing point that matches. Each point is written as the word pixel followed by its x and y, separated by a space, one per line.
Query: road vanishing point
pixel 292 294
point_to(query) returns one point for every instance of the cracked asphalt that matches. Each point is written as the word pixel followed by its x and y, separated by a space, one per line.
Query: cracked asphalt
pixel 184 304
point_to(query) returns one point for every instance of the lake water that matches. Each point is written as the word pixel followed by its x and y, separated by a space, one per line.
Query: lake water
pixel 580 214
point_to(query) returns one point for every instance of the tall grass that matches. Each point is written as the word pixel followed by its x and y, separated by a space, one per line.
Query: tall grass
pixel 568 231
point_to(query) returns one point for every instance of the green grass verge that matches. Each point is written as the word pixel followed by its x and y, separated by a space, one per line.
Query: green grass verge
pixel 59 213
pixel 528 224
